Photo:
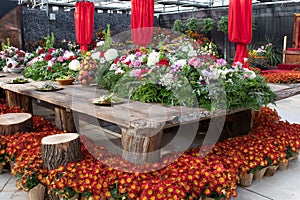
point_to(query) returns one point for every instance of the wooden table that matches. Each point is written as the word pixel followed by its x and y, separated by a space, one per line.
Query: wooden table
pixel 142 124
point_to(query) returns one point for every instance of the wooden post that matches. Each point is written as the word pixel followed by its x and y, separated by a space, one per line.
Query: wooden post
pixel 141 142
pixel 64 119
pixel 24 102
pixel 60 149
pixel 11 123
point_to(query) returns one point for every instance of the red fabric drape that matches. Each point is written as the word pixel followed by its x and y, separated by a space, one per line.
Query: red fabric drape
pixel 84 23
pixel 142 17
pixel 240 27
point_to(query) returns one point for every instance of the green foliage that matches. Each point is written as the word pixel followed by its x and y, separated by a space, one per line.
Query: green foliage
pixel 39 71
pixel 32 181
pixel 207 25
pixel 178 26
pixel 223 24
pixel 192 24
pixel 50 40
pixel 108 41
pixel 248 93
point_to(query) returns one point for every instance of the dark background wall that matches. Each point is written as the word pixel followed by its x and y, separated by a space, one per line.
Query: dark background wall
pixel 37 24
pixel 272 21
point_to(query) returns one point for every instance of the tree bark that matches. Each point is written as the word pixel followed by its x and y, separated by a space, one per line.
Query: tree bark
pixel 142 144
pixel 11 123
pixel 22 101
pixel 61 149
pixel 64 119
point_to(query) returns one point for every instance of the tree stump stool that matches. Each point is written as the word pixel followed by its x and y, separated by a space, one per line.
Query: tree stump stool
pixel 11 123
pixel 61 149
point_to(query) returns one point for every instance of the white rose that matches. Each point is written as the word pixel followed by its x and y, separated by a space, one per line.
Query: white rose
pixel 111 54
pixel 74 65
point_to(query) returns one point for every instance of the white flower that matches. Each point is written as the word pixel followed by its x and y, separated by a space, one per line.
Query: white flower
pixel 95 55
pixel 129 58
pixel 100 43
pixel 50 63
pixel 74 65
pixel 153 58
pixel 119 71
pixel 111 54
pixel 68 54
pixel 181 62
pixel 251 74
pixel 167 80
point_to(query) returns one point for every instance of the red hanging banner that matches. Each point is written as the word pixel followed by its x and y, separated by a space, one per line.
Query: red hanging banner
pixel 142 18
pixel 84 23
pixel 240 27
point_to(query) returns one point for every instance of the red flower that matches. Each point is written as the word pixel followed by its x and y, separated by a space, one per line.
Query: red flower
pixel 41 51
pixel 48 57
pixel 51 50
pixel 163 62
pixel 143 71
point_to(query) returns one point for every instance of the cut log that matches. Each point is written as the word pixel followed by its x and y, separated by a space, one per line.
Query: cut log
pixel 64 119
pixel 141 142
pixel 11 123
pixel 22 101
pixel 60 149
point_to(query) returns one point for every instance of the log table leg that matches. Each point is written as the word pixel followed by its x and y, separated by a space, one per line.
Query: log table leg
pixel 64 119
pixel 142 142
pixel 11 123
pixel 24 102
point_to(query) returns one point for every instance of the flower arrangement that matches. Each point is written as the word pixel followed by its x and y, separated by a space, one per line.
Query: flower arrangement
pixel 264 55
pixel 157 76
pixel 52 63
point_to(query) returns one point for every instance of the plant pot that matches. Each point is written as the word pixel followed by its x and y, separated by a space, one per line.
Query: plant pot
pixel 246 179
pixel 37 193
pixel 68 81
pixel 1 168
pixel 11 164
pixel 283 165
pixel 260 173
pixel 271 170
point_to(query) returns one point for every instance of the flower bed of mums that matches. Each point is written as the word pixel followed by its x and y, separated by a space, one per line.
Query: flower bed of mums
pixel 189 177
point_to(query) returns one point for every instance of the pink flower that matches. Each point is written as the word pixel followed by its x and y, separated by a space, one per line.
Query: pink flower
pixel 195 62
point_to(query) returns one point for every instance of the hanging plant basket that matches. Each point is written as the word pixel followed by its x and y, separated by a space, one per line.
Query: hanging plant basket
pixel 37 193
pixel 271 170
pixel 246 179
pixel 258 174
